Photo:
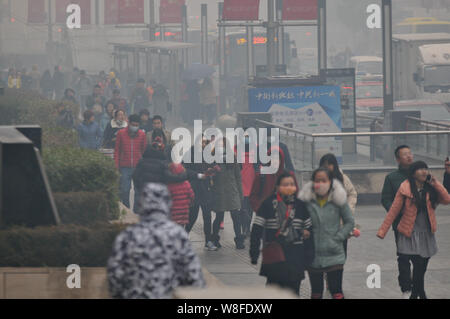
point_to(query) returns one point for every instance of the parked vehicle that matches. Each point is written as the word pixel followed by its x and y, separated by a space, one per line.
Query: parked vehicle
pixel 422 25
pixel 367 65
pixel 422 66
pixel 369 100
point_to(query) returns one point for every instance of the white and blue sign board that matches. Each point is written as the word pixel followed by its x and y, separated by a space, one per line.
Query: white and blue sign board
pixel 312 109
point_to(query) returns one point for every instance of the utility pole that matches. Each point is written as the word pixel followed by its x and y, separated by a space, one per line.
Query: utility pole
pixel 204 33
pixel 184 34
pixel 97 12
pixel 271 31
pixel 222 64
pixel 388 77
pixel 280 34
pixel 152 25
pixel 322 34
pixel 50 26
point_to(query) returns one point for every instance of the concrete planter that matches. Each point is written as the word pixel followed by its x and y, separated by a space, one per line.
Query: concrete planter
pixel 50 283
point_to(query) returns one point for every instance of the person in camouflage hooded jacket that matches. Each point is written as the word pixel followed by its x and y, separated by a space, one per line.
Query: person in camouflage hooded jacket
pixel 153 257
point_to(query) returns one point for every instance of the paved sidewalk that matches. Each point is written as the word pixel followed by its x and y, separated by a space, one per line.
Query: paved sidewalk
pixel 232 267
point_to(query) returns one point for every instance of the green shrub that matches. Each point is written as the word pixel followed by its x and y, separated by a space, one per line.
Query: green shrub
pixel 59 137
pixel 57 246
pixel 82 208
pixel 80 170
pixel 28 107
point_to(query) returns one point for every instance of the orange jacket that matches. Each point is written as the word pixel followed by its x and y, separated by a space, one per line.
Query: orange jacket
pixel 404 202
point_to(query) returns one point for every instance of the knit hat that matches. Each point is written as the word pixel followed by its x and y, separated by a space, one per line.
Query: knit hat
pixel 176 168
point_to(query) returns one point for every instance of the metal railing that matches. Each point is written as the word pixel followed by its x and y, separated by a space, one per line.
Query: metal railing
pixel 379 145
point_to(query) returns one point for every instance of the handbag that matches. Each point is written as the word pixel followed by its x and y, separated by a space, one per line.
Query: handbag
pixel 272 253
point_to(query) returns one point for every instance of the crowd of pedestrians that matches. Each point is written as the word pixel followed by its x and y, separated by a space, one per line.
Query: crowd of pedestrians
pixel 297 229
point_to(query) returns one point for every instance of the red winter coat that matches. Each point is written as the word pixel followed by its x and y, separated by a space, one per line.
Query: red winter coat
pixel 182 197
pixel 128 150
pixel 264 185
pixel 248 173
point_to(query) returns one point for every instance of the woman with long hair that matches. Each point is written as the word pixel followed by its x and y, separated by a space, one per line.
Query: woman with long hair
pixel 330 161
pixel 416 200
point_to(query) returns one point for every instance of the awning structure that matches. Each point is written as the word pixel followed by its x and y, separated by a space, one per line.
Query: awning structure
pixel 163 45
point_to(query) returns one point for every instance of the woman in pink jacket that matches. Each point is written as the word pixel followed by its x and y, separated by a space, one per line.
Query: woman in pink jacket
pixel 416 199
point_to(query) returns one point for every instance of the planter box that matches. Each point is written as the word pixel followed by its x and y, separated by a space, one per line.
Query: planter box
pixel 50 283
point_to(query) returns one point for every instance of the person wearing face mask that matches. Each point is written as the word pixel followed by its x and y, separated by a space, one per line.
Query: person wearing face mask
pixel 227 194
pixel 326 201
pixel 416 201
pixel 284 224
pixel 264 184
pixel 130 145
pixel 89 132
pixel 113 127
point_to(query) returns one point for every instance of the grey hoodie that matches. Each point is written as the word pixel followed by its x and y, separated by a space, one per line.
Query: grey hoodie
pixel 155 256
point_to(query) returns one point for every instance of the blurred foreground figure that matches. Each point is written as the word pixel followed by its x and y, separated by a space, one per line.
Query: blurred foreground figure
pixel 155 256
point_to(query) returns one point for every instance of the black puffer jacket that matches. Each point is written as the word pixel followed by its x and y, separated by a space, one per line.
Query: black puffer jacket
pixel 154 168
pixel 201 187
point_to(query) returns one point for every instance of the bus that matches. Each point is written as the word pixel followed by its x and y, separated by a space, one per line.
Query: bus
pixel 422 25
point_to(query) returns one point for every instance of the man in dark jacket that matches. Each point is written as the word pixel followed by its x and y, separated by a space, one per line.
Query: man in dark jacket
pixel 64 117
pixel 58 83
pixel 140 97
pixel 154 168
pixel 96 98
pixel 447 175
pixel 391 185
pixel 202 191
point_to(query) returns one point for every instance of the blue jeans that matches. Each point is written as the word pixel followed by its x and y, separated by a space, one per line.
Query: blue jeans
pixel 126 174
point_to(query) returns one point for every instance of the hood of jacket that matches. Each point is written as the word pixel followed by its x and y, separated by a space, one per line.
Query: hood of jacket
pixel 154 198
pixel 115 125
pixel 280 151
pixel 337 195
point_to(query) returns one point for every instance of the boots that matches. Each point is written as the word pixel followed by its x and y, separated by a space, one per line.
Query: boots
pixel 239 242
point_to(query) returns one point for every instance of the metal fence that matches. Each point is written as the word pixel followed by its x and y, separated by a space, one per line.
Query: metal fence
pixel 428 142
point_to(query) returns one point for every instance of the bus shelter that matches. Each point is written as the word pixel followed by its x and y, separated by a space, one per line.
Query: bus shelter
pixel 160 61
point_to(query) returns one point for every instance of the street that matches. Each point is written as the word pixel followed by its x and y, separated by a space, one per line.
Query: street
pixel 232 267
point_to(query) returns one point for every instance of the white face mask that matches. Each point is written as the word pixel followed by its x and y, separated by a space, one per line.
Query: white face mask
pixel 134 129
pixel 321 189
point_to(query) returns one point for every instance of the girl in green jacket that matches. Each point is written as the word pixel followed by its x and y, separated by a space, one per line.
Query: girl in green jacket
pixel 326 201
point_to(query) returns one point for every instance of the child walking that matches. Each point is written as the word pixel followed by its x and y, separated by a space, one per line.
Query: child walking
pixel 182 197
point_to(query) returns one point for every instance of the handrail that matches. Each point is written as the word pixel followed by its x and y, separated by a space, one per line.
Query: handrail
pixel 369 117
pixel 381 133
pixel 285 128
pixel 354 133
pixel 427 122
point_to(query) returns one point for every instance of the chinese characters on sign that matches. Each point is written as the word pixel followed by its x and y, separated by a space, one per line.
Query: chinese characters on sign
pixel 308 109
